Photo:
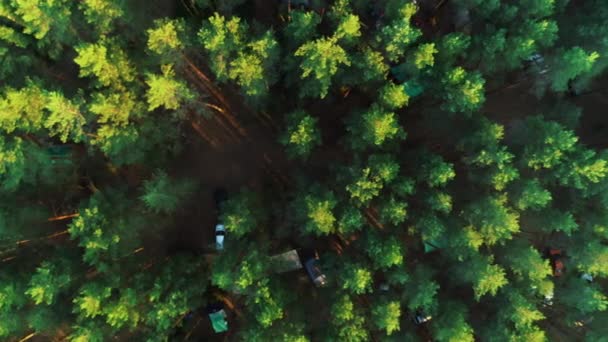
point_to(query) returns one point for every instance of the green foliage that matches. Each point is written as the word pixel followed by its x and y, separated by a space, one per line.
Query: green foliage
pixel 164 195
pixel 23 108
pixel 356 278
pixel 222 39
pixel 316 211
pixel 583 170
pixel 91 298
pixel 106 61
pixel 89 331
pixel 166 37
pixel 234 56
pixel 393 211
pixel 393 96
pixel 342 309
pixel 384 252
pixel 301 27
pixel 102 13
pixel 386 316
pixel 397 35
pixel 241 214
pixel 452 46
pixel 569 64
pixel 320 60
pixel 267 308
pixel 350 221
pixel 436 172
pixel 548 143
pixel 48 281
pixel 492 219
pixel 230 272
pixel 374 128
pixel 524 261
pixel 104 230
pixel 553 220
pixel 64 118
pixel 367 183
pixel 424 56
pixel 115 108
pixel 96 95
pixel 520 312
pixel 369 65
pixel 464 91
pixel 175 290
pixel 166 91
pixel 591 259
pixel 529 194
pixel 349 28
pixel 485 153
pixel 451 324
pixel 421 290
pixel 586 298
pixel 302 134
pixel 21 162
pixel 487 277
pixel 48 22
pixel 123 311
pixel 440 201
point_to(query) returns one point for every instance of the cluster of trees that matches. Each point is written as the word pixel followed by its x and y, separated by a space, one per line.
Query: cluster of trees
pixel 96 100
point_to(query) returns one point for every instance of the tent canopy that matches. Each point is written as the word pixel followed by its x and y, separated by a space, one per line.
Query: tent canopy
pixel 218 321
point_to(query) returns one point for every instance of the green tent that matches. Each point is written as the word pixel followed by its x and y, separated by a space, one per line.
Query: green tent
pixel 61 155
pixel 218 321
pixel 433 244
pixel 413 88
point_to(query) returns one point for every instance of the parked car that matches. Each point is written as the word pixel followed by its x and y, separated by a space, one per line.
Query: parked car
pixel 220 196
pixel 536 62
pixel 556 258
pixel 420 317
pixel 311 264
pixel 548 299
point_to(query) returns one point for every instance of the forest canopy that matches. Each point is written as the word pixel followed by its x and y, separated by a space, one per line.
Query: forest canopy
pixel 440 168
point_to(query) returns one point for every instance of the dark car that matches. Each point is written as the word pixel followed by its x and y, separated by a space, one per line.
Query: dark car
pixel 420 317
pixel 311 264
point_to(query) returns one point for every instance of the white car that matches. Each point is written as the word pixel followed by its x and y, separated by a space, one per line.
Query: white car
pixel 220 195
pixel 220 232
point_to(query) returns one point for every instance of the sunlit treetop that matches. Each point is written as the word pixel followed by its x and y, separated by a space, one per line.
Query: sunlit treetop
pixel 166 36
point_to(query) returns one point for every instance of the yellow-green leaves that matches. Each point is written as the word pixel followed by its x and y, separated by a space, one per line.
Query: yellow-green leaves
pixel 386 316
pixel 356 278
pixel 241 213
pixel 464 91
pixel 167 91
pixel 249 61
pixel 91 299
pixel 393 96
pixel 105 61
pixel 102 13
pixel 425 55
pixel 301 135
pixel 374 128
pixel 48 281
pixel 320 61
pixel 487 278
pixel 165 37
